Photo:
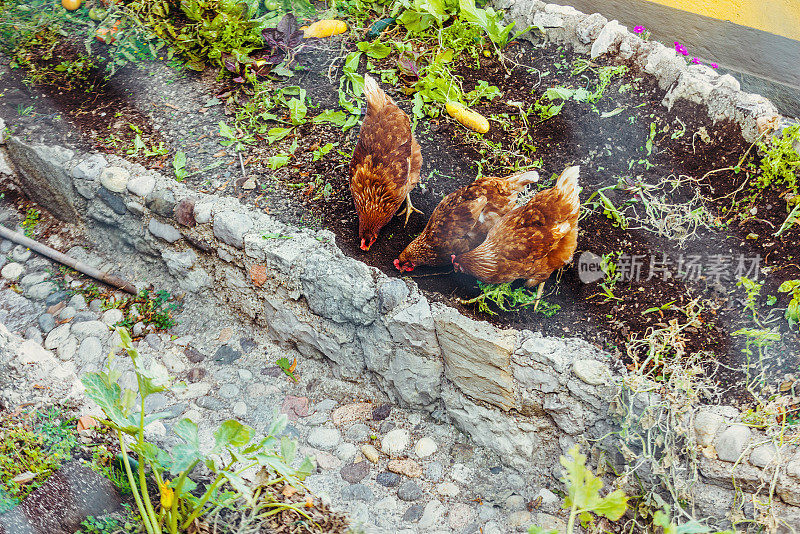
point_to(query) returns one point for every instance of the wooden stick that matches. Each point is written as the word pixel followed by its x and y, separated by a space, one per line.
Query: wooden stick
pixel 53 254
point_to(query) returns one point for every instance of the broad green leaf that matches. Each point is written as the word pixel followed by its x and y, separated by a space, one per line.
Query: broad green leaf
pixel 288 449
pixel 238 484
pixel 278 425
pixel 231 434
pixel 375 49
pixel 107 396
pixel 277 133
pixel 583 489
pixel 297 111
pixel 336 118
pixel 416 22
pixel 613 505
pixel 186 429
pixel 556 93
pixel 183 456
pixel 278 160
pixel 226 131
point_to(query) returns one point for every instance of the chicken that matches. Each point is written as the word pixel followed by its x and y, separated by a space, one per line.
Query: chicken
pixel 463 218
pixel 385 166
pixel 530 241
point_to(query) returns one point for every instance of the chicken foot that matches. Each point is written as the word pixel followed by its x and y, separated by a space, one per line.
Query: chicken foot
pixel 539 292
pixel 408 209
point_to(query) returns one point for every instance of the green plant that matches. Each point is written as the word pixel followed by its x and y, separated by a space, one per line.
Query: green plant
pixel 491 22
pixel 583 494
pixel 30 222
pixel 508 299
pixel 179 166
pixel 781 162
pixel 612 275
pixel 793 310
pixel 320 152
pixel 179 502
pixel 105 525
pixel 287 367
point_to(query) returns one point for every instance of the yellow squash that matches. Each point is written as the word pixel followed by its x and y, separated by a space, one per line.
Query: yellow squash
pixel 71 5
pixel 325 28
pixel 471 119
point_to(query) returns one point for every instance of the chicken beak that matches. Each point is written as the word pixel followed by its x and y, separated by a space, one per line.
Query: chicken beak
pixel 397 265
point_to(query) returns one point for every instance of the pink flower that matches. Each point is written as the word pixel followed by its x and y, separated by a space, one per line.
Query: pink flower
pixel 695 61
pixel 638 29
pixel 714 66
pixel 679 48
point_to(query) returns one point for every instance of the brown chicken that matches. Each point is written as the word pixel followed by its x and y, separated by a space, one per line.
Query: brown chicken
pixel 530 241
pixel 463 218
pixel 385 165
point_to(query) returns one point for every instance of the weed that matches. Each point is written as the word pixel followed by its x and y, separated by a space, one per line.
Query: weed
pixel 793 310
pixel 30 222
pixel 781 162
pixel 287 367
pixel 179 166
pixel 507 299
pixel 320 152
pixel 179 506
pixel 24 111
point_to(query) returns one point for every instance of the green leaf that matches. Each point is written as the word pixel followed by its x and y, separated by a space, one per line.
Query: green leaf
pixel 277 133
pixel 375 49
pixel 584 489
pixel 226 131
pixel 278 160
pixel 336 118
pixel 107 395
pixel 231 434
pixel 288 449
pixel 297 111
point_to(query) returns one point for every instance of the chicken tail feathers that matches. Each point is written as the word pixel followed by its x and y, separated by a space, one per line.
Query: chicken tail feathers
pixel 519 181
pixel 376 97
pixel 567 184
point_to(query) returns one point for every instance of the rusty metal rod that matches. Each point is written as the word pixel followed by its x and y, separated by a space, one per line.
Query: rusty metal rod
pixel 53 254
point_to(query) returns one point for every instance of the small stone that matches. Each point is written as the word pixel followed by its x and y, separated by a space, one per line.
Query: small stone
pixel 33 279
pixel 515 503
pixel 521 518
pixel 113 201
pixel 549 499
pixel 386 427
pixel 162 202
pixel 592 372
pixel 406 467
pixel 370 453
pixel 229 391
pixel 184 212
pixel 387 479
pixel 89 168
pixel 83 316
pixel 57 336
pixel 230 227
pixel 706 425
pixel 66 351
pixel 142 185
pixel 192 354
pixel 763 455
pixel 5 246
pixel 357 432
pixel 461 473
pixel 40 291
pixel 354 472
pixel 112 316
pixel 434 511
pixel 138 329
pixel 434 471
pixel 793 469
pixel 20 254
pixel 391 293
pixel 12 271
pixel 90 350
pixel 350 413
pixel 356 492
pixel 732 443
pixel 167 232
pixel 324 438
pixel 395 441
pixel 460 516
pixel 381 412
pixel 425 447
pixel 96 305
pixel 46 323
pixel 209 403
pixel 202 212
pixel 66 313
pixel 226 355
pixel 114 179
pixel 295 407
pixel 413 514
pixel 77 301
pixel 550 522
pixel 409 491
pixel 195 374
pixel 239 409
pixel 447 489
pixel 154 341
pixel 55 298
pixel 346 451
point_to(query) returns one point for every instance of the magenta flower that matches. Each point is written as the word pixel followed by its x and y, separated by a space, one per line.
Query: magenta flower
pixel 714 66
pixel 638 29
pixel 679 48
pixel 695 61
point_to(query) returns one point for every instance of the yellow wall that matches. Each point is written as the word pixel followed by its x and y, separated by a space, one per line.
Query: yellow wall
pixel 781 17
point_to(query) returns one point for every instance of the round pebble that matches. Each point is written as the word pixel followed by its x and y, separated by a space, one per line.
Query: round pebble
pixel 413 514
pixel 447 489
pixel 112 316
pixel 370 453
pixel 460 516
pixel 66 313
pixel 409 491
pixel 239 409
pixel 346 451
pixel 357 492
pixel 324 438
pixel 12 271
pixel 245 375
pixel 395 441
pixel 425 447
pixel 20 254
pixel 358 432
pixel 46 323
pixel 434 471
pixel 77 301
pixel 229 391
pixel 388 479
pixel 354 473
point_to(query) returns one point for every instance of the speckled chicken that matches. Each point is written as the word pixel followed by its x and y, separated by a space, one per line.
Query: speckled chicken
pixel 463 218
pixel 530 241
pixel 385 166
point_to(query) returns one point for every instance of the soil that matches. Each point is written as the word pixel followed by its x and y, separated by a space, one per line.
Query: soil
pixel 608 139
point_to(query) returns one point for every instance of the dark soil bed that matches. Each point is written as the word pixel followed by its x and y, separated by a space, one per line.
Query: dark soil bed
pixel 626 137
